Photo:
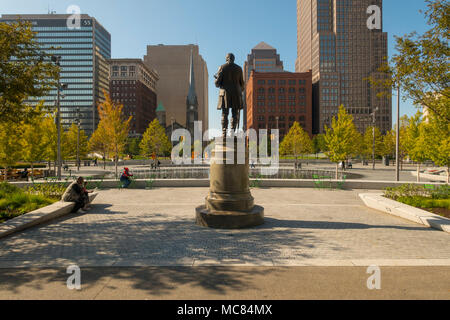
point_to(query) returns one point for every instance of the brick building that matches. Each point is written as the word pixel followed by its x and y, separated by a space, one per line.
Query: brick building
pixel 134 85
pixel 278 99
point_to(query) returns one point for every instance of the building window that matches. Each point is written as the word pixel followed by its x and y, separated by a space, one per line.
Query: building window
pixel 261 82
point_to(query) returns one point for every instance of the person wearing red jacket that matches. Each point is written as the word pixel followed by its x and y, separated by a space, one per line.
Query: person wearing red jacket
pixel 126 178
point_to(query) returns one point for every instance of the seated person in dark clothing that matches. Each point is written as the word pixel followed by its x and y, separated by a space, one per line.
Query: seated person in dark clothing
pixel 77 193
pixel 24 174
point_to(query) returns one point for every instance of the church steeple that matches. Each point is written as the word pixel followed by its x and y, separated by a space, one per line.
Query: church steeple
pixel 191 100
pixel 192 95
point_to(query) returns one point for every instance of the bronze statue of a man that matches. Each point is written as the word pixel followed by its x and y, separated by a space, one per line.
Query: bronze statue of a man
pixel 230 80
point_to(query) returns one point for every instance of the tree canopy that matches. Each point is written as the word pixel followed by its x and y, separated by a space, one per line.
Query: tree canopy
pixel 155 141
pixel 114 126
pixel 342 138
pixel 296 142
pixel 25 71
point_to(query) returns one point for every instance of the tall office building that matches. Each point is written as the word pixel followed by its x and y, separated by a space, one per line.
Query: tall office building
pixel 84 52
pixel 264 58
pixel 335 42
pixel 133 84
pixel 173 64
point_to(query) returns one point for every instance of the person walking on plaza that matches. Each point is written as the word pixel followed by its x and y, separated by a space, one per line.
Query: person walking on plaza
pixel 77 193
pixel 126 178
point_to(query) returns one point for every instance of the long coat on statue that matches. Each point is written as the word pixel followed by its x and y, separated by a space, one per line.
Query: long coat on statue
pixel 230 80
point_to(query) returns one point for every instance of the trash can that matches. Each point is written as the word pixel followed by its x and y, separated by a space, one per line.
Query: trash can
pixel 386 161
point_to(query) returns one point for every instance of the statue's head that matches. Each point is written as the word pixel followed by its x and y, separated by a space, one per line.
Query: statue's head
pixel 230 58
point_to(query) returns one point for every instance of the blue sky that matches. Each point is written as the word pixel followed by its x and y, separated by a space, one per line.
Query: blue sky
pixel 134 24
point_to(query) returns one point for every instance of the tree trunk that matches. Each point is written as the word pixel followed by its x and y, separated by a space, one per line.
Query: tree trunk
pixel 337 171
pixel 418 172
pixel 116 165
pixel 32 171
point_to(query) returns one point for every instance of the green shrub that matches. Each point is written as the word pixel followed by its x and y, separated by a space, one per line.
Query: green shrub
pixel 15 202
pixel 414 191
pixel 7 188
pixel 422 202
pixel 48 190
pixel 442 192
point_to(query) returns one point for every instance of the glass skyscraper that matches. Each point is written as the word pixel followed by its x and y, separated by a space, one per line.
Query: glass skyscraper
pixel 84 52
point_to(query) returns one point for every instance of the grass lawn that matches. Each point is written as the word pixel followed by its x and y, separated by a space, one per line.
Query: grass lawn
pixel 15 202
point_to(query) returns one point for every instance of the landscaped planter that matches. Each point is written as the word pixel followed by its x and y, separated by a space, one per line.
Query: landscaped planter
pixel 37 217
pixel 378 202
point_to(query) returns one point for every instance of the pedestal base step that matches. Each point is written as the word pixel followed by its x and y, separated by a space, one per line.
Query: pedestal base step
pixel 229 220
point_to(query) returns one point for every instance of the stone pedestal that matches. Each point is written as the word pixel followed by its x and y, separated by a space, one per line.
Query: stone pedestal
pixel 230 204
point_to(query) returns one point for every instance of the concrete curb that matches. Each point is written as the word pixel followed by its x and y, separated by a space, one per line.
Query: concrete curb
pixel 378 202
pixel 40 216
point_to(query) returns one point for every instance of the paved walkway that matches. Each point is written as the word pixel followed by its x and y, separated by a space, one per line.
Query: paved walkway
pixel 156 228
pixel 226 283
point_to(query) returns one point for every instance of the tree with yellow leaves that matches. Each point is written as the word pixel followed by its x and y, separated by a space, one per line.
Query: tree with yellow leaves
pixel 35 147
pixel 155 141
pixel 341 138
pixel 297 142
pixel 99 144
pixel 70 143
pixel 10 145
pixel 115 126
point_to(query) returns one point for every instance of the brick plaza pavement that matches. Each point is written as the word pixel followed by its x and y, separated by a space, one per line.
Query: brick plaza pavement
pixel 156 228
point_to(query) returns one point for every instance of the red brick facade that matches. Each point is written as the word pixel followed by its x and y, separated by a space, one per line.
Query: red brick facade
pixel 138 101
pixel 134 85
pixel 279 99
